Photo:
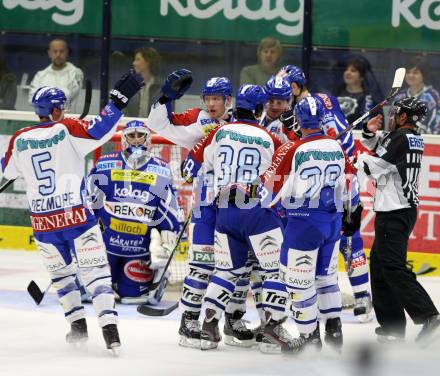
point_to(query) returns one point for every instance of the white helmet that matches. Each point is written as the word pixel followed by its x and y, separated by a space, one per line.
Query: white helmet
pixel 135 142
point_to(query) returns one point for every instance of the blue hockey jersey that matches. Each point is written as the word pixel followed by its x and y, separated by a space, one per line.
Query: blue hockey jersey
pixel 130 202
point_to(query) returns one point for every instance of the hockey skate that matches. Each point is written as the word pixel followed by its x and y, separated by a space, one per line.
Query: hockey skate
pixel 274 336
pixel 78 332
pixel 384 336
pixel 333 333
pixel 236 332
pixel 363 309
pixel 430 331
pixel 210 334
pixel 111 338
pixel 304 341
pixel 189 330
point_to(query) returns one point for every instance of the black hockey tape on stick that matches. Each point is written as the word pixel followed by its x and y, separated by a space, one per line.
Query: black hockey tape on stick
pixel 399 76
pixel 149 310
pixel 87 99
pixel 6 184
pixel 153 286
pixel 35 292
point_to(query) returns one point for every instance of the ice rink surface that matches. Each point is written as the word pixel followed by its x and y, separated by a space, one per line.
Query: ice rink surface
pixel 32 341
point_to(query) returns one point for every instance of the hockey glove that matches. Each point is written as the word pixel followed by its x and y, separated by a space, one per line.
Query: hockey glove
pixel 352 222
pixel 126 87
pixel 176 84
pixel 288 120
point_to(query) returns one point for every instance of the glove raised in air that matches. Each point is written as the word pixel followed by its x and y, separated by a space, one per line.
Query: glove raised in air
pixel 125 88
pixel 176 84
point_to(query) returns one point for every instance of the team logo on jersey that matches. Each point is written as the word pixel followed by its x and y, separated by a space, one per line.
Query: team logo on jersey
pixel 59 220
pixel 108 165
pixel 125 227
pixel 129 192
pixel 138 271
pixel 244 139
pixel 134 176
pixel 317 155
pixel 129 210
pixel 23 144
pixel 415 142
pixel 159 170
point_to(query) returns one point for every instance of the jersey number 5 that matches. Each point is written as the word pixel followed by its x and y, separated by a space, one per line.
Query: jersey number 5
pixel 45 176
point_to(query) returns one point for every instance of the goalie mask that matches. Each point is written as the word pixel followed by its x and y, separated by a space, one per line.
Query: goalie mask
pixel 135 142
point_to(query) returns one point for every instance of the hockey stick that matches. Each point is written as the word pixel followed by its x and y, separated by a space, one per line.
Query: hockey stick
pixel 6 184
pixel 349 245
pixel 35 292
pixel 399 76
pixel 153 286
pixel 149 310
pixel 87 99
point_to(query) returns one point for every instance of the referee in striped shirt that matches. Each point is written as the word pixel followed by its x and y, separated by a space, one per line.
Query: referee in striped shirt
pixel 395 168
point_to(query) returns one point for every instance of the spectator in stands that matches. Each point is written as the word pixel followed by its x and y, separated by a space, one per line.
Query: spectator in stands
pixel 269 55
pixel 417 76
pixel 8 86
pixel 147 63
pixel 60 73
pixel 355 95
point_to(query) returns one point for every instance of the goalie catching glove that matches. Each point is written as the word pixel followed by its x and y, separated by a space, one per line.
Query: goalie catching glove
pixel 351 222
pixel 176 84
pixel 161 246
pixel 125 88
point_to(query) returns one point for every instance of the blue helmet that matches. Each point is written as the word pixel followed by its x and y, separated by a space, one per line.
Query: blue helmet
pixel 218 86
pixel 249 97
pixel 46 98
pixel 292 73
pixel 278 88
pixel 308 112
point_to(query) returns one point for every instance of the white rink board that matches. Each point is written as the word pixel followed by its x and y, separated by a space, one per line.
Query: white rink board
pixel 32 341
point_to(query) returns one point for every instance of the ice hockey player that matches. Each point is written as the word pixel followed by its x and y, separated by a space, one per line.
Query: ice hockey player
pixel 134 197
pixel 186 130
pixel 332 122
pixel 238 153
pixel 308 177
pixel 395 168
pixel 279 94
pixel 50 157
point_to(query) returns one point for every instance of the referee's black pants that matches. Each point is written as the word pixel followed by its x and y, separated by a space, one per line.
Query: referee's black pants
pixel 394 287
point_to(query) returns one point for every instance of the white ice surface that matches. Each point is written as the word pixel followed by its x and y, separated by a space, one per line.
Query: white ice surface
pixel 32 341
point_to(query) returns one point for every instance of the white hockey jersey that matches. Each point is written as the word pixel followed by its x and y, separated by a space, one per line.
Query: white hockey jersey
pixel 307 175
pixel 51 159
pixel 235 153
pixel 184 129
